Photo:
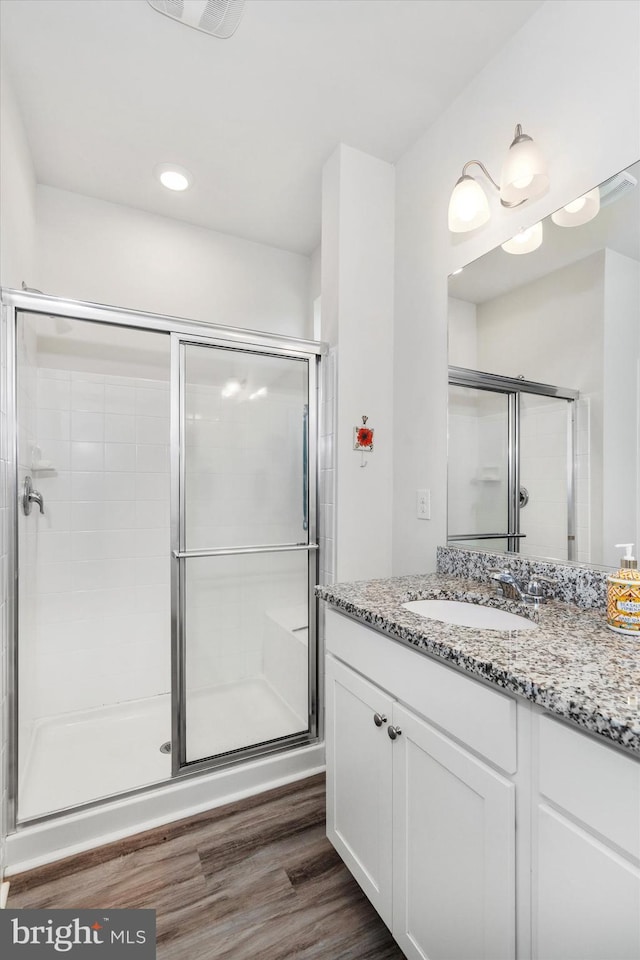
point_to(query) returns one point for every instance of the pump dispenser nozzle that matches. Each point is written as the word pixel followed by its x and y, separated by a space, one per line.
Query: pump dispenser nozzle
pixel 628 562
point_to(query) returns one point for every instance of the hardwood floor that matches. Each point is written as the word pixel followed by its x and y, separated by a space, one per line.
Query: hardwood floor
pixel 255 880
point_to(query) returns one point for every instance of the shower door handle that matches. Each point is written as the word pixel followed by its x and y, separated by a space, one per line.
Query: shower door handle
pixel 29 496
pixel 235 551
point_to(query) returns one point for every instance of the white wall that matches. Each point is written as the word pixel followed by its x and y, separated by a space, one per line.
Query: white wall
pixel 17 257
pixel 620 522
pixel 107 253
pixel 565 67
pixel 18 191
pixel 535 330
pixel 357 314
pixel 463 334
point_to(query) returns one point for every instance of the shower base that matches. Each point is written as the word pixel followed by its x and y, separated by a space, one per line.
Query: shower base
pixel 100 753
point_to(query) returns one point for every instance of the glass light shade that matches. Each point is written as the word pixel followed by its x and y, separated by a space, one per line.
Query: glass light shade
pixel 524 172
pixel 468 206
pixel 579 211
pixel 526 241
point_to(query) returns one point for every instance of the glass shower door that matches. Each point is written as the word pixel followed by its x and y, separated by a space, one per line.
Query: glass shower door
pixel 244 552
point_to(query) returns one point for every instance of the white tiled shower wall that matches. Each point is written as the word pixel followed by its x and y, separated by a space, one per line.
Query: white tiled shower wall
pixel 101 614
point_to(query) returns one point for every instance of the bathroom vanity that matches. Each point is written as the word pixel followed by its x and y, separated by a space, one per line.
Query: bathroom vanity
pixel 483 786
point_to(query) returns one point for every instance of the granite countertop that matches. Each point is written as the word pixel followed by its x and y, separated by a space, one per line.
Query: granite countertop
pixel 572 665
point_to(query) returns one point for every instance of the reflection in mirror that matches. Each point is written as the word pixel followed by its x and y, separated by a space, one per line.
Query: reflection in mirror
pixel 565 319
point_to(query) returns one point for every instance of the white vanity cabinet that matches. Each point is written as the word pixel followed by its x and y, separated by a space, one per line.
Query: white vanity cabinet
pixel 426 827
pixel 586 849
pixel 359 787
pixel 426 821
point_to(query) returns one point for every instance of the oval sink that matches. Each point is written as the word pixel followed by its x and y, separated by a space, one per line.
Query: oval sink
pixel 464 614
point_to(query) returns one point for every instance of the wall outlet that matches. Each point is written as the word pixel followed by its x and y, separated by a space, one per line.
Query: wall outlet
pixel 423 504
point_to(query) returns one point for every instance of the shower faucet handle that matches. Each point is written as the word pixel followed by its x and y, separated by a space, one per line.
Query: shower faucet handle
pixel 30 495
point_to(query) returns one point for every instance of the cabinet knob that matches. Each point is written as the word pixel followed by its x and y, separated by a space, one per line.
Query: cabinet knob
pixel 394 732
pixel 379 719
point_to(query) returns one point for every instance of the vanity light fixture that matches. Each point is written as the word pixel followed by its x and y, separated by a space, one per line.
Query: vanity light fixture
pixel 526 241
pixel 579 211
pixel 524 177
pixel 173 177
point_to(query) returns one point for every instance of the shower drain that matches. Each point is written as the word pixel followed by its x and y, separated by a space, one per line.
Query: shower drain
pixel 166 747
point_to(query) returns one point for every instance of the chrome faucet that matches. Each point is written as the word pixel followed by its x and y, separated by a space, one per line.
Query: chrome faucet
pixel 533 593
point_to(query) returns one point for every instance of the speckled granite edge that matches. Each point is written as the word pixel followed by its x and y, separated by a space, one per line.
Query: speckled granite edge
pixel 572 665
pixel 584 586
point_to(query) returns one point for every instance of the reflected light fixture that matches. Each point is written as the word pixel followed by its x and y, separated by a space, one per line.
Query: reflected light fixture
pixel 261 392
pixel 526 241
pixel 524 177
pixel 173 177
pixel 231 388
pixel 579 211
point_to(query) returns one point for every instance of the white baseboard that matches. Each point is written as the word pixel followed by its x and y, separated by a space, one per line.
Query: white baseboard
pixel 34 845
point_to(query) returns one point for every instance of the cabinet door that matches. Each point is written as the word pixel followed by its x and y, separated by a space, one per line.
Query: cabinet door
pixel 359 790
pixel 454 850
pixel 587 897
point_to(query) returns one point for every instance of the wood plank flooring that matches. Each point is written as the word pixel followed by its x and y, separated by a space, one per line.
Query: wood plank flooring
pixel 254 880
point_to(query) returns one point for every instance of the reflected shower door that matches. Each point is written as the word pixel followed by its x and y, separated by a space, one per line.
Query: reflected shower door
pixel 244 552
pixel 478 489
pixel 512 465
pixel 546 504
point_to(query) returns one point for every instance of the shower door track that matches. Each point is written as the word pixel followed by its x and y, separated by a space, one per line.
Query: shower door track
pixel 513 387
pixel 255 341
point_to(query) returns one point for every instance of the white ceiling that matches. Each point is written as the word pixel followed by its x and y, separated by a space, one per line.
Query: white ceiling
pixel 110 88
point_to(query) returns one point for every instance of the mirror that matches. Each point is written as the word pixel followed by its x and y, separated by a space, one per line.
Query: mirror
pixel 544 453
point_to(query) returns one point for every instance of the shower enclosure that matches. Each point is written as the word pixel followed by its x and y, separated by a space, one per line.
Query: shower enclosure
pixel 512 465
pixel 163 551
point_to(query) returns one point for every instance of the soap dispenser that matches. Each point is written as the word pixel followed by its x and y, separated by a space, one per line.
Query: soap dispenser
pixel 623 595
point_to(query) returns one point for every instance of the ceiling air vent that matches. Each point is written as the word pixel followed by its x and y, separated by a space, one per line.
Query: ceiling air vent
pixel 616 187
pixel 218 18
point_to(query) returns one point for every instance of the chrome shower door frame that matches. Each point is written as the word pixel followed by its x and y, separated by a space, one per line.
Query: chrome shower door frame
pixel 513 388
pixel 15 301
pixel 180 555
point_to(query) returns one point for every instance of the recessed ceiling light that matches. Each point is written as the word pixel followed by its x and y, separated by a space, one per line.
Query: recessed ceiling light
pixel 173 177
